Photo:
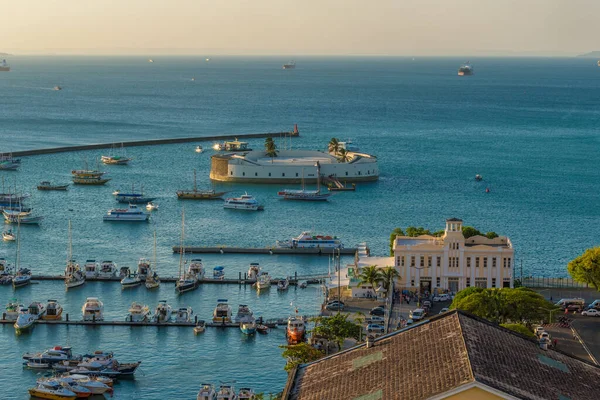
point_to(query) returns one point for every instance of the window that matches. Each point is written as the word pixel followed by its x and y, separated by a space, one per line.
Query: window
pixel 468 262
pixel 504 262
pixel 437 281
pixel 422 261
pixel 481 282
pixel 485 262
pixel 346 173
pixel 508 262
pixel 476 262
pixel 412 261
pixel 256 174
pixel 493 262
pixel 402 260
pixel 296 174
pixel 243 174
pixel 493 282
pixel 269 174
pixel 412 282
pixel 439 261
pixel 429 261
pixel 468 282
pixel 453 284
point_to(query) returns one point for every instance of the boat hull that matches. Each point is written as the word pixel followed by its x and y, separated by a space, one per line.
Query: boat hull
pixel 90 181
pixel 191 195
pixel 59 188
pixel 40 394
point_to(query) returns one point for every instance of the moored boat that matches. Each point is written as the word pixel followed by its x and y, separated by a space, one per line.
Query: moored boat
pixel 53 355
pixel 306 195
pixel 200 327
pixel 244 202
pixel 9 236
pixel 108 269
pixel 151 206
pixel 253 271
pixel 283 284
pixel 53 311
pixel 131 280
pixel 218 272
pixel 232 146
pixel 47 185
pixel 74 277
pixel 246 394
pixel 196 194
pixel 248 327
pixel 226 392
pixel 51 393
pixel 12 309
pixel 222 312
pixel 131 214
pixel 162 314
pixel 263 281
pixel 22 278
pixel 295 330
pixel 28 316
pixel 152 279
pixel 306 240
pixel 92 309
pixel 138 312
pixel 196 268
pixel 184 315
pixel 244 313
pixel 91 269
pixel 206 392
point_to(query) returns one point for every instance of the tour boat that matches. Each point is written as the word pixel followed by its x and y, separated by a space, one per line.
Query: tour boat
pixel 162 314
pixel 226 392
pixel 244 313
pixel 295 330
pixel 184 315
pixel 91 268
pixel 131 214
pixel 248 327
pixel 53 311
pixel 22 278
pixel 131 280
pixel 108 269
pixel 263 281
pixel 219 273
pixel 92 309
pixel 151 206
pixel 244 202
pixel 196 194
pixel 52 393
pixel 253 271
pixel 138 312
pixel 206 392
pixel 232 146
pixel 12 310
pixel 246 394
pixel 8 236
pixel 306 240
pixel 47 185
pixel 283 284
pixel 196 268
pixel 222 312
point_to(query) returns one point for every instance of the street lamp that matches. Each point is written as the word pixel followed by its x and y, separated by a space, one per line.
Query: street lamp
pixel 550 311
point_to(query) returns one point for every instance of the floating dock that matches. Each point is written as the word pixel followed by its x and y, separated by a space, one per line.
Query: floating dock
pixel 266 250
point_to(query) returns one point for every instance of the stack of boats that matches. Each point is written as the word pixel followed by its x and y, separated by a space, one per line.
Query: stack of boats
pixel 88 177
pixel 71 387
pixel 225 392
pixel 8 163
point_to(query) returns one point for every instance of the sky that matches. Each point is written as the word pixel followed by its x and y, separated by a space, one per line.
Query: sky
pixel 300 27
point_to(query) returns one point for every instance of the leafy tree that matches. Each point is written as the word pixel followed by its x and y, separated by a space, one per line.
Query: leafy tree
pixel 270 147
pixel 395 232
pixel 438 233
pixel 369 275
pixel 519 328
pixel 469 231
pixel 414 231
pixel 491 235
pixel 336 329
pixel 301 353
pixel 334 146
pixel 586 267
pixel 388 275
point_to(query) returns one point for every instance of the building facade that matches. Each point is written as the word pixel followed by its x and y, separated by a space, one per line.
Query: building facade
pixel 451 262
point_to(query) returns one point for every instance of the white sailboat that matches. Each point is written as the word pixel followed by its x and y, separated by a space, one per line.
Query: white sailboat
pixel 186 281
pixel 73 275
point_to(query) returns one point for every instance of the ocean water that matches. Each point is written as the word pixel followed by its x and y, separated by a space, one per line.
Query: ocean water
pixel 528 125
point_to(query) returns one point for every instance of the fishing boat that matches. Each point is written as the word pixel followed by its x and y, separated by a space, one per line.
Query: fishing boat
pixel 248 327
pixel 244 202
pixel 246 394
pixel 253 271
pixel 152 279
pixel 184 315
pixel 12 310
pixel 206 392
pixel 226 392
pixel 306 195
pixel 131 214
pixel 222 312
pixel 232 146
pixel 138 312
pixel 116 159
pixel 295 330
pixel 108 269
pixel 219 273
pixel 52 393
pixel 306 240
pixel 47 185
pixel 131 280
pixel 8 236
pixel 283 284
pixel 244 313
pixel 263 281
pixel 91 269
pixel 133 197
pixel 53 311
pixel 22 278
pixel 199 149
pixel 151 206
pixel 162 314
pixel 92 309
pixel 200 327
pixel 196 194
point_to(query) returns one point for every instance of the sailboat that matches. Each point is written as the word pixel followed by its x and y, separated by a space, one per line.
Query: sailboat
pixel 73 275
pixel 23 275
pixel 196 194
pixel 186 282
pixel 116 159
pixel 306 195
pixel 152 279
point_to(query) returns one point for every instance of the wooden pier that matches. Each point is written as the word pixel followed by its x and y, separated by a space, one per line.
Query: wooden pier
pixel 265 250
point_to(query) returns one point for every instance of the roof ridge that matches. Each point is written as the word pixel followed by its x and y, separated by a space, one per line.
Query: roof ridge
pixel 462 337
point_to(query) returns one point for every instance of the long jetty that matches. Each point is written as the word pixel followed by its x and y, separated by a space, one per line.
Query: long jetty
pixel 149 142
pixel 265 250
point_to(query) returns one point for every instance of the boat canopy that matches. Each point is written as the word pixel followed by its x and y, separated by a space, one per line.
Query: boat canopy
pixel 219 268
pixel 222 300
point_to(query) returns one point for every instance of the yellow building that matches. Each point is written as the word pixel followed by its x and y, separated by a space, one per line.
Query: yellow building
pixel 451 262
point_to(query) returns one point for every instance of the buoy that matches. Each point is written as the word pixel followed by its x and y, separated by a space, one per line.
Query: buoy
pixel 487 190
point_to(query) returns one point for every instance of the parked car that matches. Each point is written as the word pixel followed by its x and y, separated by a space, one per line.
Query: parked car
pixel 380 311
pixel 375 328
pixel 443 310
pixel 335 305
pixel 375 319
pixel 417 314
pixel 427 304
pixel 441 297
pixel 591 313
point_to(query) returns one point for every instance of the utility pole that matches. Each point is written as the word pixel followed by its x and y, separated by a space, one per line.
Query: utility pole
pixel 339 271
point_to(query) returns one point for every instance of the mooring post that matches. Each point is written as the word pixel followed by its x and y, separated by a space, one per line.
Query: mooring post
pixel 93 318
pixel 196 320
pixel 67 317
pixel 240 277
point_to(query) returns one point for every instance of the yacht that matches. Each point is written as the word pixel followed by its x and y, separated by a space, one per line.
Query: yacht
pixel 206 392
pixel 108 269
pixel 196 194
pixel 244 202
pixel 226 392
pixel 264 281
pixel 22 278
pixel 93 384
pixel 295 330
pixel 244 313
pixel 47 185
pixel 253 271
pixel 90 269
pixel 131 280
pixel 283 284
pixel 12 310
pixel 42 391
pixel 196 268
pixel 138 312
pixel 306 240
pixel 92 309
pixel 219 273
pixel 306 195
pixel 184 315
pixel 28 316
pixel 53 355
pixel 53 311
pixel 73 275
pixel 131 214
pixel 246 394
pixel 162 314
pixel 465 69
pixel 186 282
pixel 222 312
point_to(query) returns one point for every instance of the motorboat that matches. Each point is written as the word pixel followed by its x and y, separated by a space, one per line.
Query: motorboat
pixel 67 383
pixel 25 321
pixel 248 326
pixel 37 364
pixel 21 278
pixel 47 185
pixel 465 69
pixel 264 329
pixel 226 392
pixel 37 309
pixel 184 315
pixel 5 67
pixel 290 65
pixel 186 282
pixel 92 309
pixel 263 281
pixel 162 314
pixel 303 285
pixel 6 272
pixel 53 355
pixel 131 280
pixel 73 275
pixel 295 330
pixel 138 312
pixel 283 284
pixel 196 194
pixel 131 214
pixel 253 271
pixel 306 240
pixel 200 327
pixel 9 236
pixel 108 269
pixel 90 269
pixel 222 312
pixel 244 313
pixel 244 202
pixel 151 206
pixel 57 88
pixel 478 178
pixel 207 392
pixel 52 393
pixel 53 311
pixel 143 268
pixel 12 310
pixel 232 146
pixel 94 385
pixel 199 149
pixel 196 268
pixel 246 394
pixel 219 272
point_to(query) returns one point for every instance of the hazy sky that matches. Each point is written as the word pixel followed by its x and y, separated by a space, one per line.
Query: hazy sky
pixel 284 27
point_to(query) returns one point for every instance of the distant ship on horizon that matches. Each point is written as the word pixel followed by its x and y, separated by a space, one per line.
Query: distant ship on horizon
pixel 465 69
pixel 290 65
pixel 4 66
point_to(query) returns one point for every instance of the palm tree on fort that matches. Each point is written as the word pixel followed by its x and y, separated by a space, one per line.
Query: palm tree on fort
pixel 270 147
pixel 334 146
pixel 369 275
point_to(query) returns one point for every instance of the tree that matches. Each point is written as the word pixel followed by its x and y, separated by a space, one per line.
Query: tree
pixel 586 267
pixel 336 329
pixel 334 146
pixel 301 353
pixel 414 231
pixel 519 328
pixel 469 231
pixel 491 235
pixel 369 275
pixel 270 147
pixel 395 232
pixel 388 275
pixel 343 156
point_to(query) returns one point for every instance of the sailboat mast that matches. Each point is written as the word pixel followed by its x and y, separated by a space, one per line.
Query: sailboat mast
pixel 182 235
pixel 318 178
pixel 18 245
pixel 70 252
pixel 195 186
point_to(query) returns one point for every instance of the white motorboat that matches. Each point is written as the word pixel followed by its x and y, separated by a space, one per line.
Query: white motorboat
pixel 138 312
pixel 37 364
pixel 108 269
pixel 8 236
pixel 306 240
pixel 93 309
pixel 199 149
pixel 248 327
pixel 67 383
pixel 264 281
pixel 226 392
pixel 53 355
pixel 28 316
pixel 143 268
pixel 90 269
pixel 22 278
pixel 283 284
pixel 253 271
pixel 184 314
pixel 54 392
pixel 207 392
pixel 222 312
pixel 200 327
pixel 218 272
pixel 162 314
pixel 131 214
pixel 151 206
pixel 94 385
pixel 12 310
pixel 244 202
pixel 53 311
pixel 196 268
pixel 246 394
pixel 244 313
pixel 131 280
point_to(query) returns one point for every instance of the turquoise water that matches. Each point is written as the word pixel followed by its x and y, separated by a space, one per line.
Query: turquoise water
pixel 529 126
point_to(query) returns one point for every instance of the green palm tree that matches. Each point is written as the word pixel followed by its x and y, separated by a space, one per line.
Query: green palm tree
pixel 388 276
pixel 334 146
pixel 369 275
pixel 343 155
pixel 270 147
